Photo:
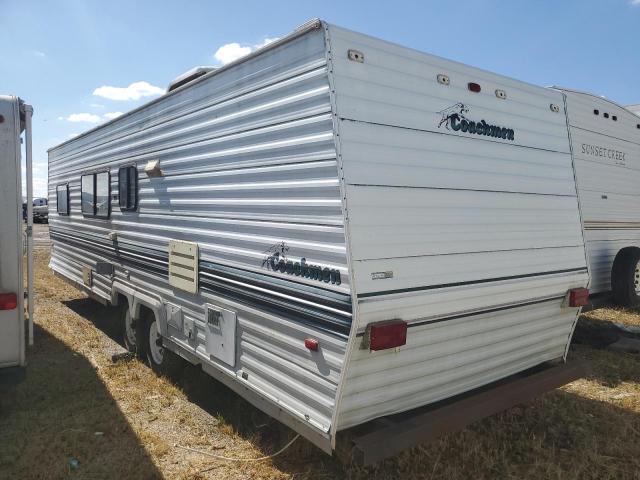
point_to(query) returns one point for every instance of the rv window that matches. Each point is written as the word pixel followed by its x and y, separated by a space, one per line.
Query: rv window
pixel 62 199
pixel 96 193
pixel 103 195
pixel 88 193
pixel 128 188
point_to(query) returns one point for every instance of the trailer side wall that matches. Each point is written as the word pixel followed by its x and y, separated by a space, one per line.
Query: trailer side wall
pixel 248 171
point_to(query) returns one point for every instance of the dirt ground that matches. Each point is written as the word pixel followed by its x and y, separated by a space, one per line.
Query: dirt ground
pixel 80 415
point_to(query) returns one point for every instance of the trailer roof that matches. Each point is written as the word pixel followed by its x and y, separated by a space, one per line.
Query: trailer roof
pixel 301 30
pixel 599 97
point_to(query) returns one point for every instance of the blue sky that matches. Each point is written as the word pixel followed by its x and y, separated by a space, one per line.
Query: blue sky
pixel 57 54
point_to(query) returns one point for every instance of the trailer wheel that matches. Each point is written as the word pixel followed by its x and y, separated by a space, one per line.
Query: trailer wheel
pixel 625 277
pixel 129 331
pixel 159 358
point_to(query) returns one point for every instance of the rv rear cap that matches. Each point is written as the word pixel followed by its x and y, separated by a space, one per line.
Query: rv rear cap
pixel 189 76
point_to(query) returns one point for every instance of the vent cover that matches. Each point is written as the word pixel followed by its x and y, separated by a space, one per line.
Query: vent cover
pixel 183 265
pixel 220 334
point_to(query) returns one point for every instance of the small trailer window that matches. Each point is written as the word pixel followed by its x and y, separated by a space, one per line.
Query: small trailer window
pixel 62 199
pixel 95 189
pixel 128 188
pixel 88 194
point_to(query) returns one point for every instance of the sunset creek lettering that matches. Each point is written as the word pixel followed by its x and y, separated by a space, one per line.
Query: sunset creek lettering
pixel 304 269
pixel 482 128
pixel 597 151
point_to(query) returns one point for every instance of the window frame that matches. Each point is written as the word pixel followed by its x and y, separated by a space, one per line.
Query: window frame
pixel 94 202
pixel 66 186
pixel 134 207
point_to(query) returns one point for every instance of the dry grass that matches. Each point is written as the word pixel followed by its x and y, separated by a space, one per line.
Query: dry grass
pixel 616 315
pixel 588 429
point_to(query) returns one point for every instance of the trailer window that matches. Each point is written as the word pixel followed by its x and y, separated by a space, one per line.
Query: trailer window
pixel 103 195
pixel 95 194
pixel 62 199
pixel 87 188
pixel 128 188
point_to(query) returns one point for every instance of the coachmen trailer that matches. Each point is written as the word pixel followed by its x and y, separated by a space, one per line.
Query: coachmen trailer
pixel 606 150
pixel 15 118
pixel 336 227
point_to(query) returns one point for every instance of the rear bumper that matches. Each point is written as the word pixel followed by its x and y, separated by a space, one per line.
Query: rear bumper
pixel 387 436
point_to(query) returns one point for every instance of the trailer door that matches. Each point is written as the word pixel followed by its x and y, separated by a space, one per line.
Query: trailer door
pixel 12 337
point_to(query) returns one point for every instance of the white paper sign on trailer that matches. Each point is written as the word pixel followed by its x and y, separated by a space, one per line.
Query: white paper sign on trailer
pixel 15 118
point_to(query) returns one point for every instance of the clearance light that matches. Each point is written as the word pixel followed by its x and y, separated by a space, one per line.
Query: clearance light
pixel 474 87
pixel 8 301
pixel 578 297
pixel 389 334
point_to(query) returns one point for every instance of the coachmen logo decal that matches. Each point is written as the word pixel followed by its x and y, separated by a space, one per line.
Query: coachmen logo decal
pixel 454 118
pixel 276 260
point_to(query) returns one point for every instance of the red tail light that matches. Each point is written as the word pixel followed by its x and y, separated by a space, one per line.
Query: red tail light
pixel 8 301
pixel 578 297
pixel 389 334
pixel 311 344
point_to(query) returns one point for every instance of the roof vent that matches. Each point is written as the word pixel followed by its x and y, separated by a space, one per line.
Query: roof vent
pixel 189 76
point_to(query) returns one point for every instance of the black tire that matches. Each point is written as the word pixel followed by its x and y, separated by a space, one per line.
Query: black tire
pixel 129 336
pixel 623 277
pixel 162 360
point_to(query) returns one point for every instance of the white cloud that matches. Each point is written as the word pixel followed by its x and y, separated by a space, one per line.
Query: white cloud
pixel 38 53
pixel 267 41
pixel 82 117
pixel 635 2
pixel 112 115
pixel 233 51
pixel 90 118
pixel 96 105
pixel 135 91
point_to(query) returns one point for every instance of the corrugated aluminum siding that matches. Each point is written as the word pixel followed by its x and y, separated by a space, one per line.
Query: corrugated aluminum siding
pixel 249 162
pixel 482 235
pixel 607 182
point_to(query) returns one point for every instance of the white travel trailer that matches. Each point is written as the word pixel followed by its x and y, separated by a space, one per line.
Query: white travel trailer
pixel 605 141
pixel 15 118
pixel 634 108
pixel 337 227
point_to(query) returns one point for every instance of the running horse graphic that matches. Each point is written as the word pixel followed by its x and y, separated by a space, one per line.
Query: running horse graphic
pixel 456 111
pixel 275 253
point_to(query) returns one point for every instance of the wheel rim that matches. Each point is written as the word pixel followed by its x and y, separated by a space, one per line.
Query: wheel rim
pixel 155 344
pixel 129 331
pixel 636 278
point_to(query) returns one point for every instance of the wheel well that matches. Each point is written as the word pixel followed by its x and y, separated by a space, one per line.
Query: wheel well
pixel 625 250
pixel 146 313
pixel 121 300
